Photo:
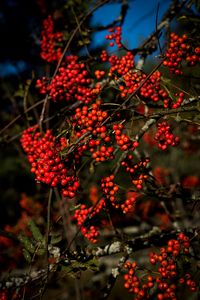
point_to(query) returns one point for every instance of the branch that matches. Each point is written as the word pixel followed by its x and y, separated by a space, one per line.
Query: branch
pixel 119 20
pixel 150 44
pixel 154 238
pixel 21 115
pixel 113 277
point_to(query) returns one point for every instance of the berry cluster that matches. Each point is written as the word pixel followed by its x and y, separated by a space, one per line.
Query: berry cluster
pixel 150 90
pixel 129 204
pixel 115 34
pixel 165 137
pixel 109 189
pixel 178 51
pixel 72 83
pixel 99 74
pixel 120 65
pixel 132 282
pixel 104 56
pixel 179 101
pixel 122 69
pixel 166 278
pixel 103 153
pixel 51 50
pixel 43 154
pixel 89 120
pixel 137 171
pixel 122 139
pixel 84 214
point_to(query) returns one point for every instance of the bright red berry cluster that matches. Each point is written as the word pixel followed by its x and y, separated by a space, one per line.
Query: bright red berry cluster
pixel 83 217
pixel 43 153
pixel 99 74
pixel 104 56
pixel 102 153
pixel 51 50
pixel 72 83
pixel 151 90
pixel 109 189
pixel 179 101
pixel 129 204
pixel 168 275
pixel 165 137
pixel 115 35
pixel 122 70
pixel 138 171
pixel 89 120
pixel 122 140
pixel 120 65
pixel 180 50
pixel 133 284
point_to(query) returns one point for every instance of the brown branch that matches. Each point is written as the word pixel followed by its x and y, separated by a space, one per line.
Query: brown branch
pixel 113 277
pixel 153 238
pixel 20 116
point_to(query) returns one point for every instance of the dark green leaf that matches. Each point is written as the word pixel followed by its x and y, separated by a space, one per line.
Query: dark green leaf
pixel 27 255
pixel 35 232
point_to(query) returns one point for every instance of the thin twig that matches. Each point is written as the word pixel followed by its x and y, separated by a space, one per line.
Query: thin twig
pixel 47 241
pixel 20 116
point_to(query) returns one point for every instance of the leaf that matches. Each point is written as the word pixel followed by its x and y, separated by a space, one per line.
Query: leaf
pixel 56 238
pixel 26 255
pixel 93 264
pixel 27 243
pixel 198 5
pixel 77 266
pixel 85 41
pixel 91 168
pixel 74 207
pixel 19 92
pixel 35 232
pixel 68 270
pixel 40 251
pixel 187 19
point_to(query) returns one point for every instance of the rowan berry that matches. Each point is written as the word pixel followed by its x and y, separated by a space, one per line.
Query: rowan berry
pixel 50 51
pixel 165 137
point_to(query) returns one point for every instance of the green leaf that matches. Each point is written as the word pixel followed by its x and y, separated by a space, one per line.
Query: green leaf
pixel 56 238
pixel 27 243
pixel 74 207
pixel 198 5
pixel 93 265
pixel 187 19
pixel 77 266
pixel 19 92
pixel 68 270
pixel 40 251
pixel 26 255
pixel 35 232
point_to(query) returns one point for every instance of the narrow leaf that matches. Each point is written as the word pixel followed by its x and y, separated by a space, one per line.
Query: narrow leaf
pixel 27 255
pixel 35 231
